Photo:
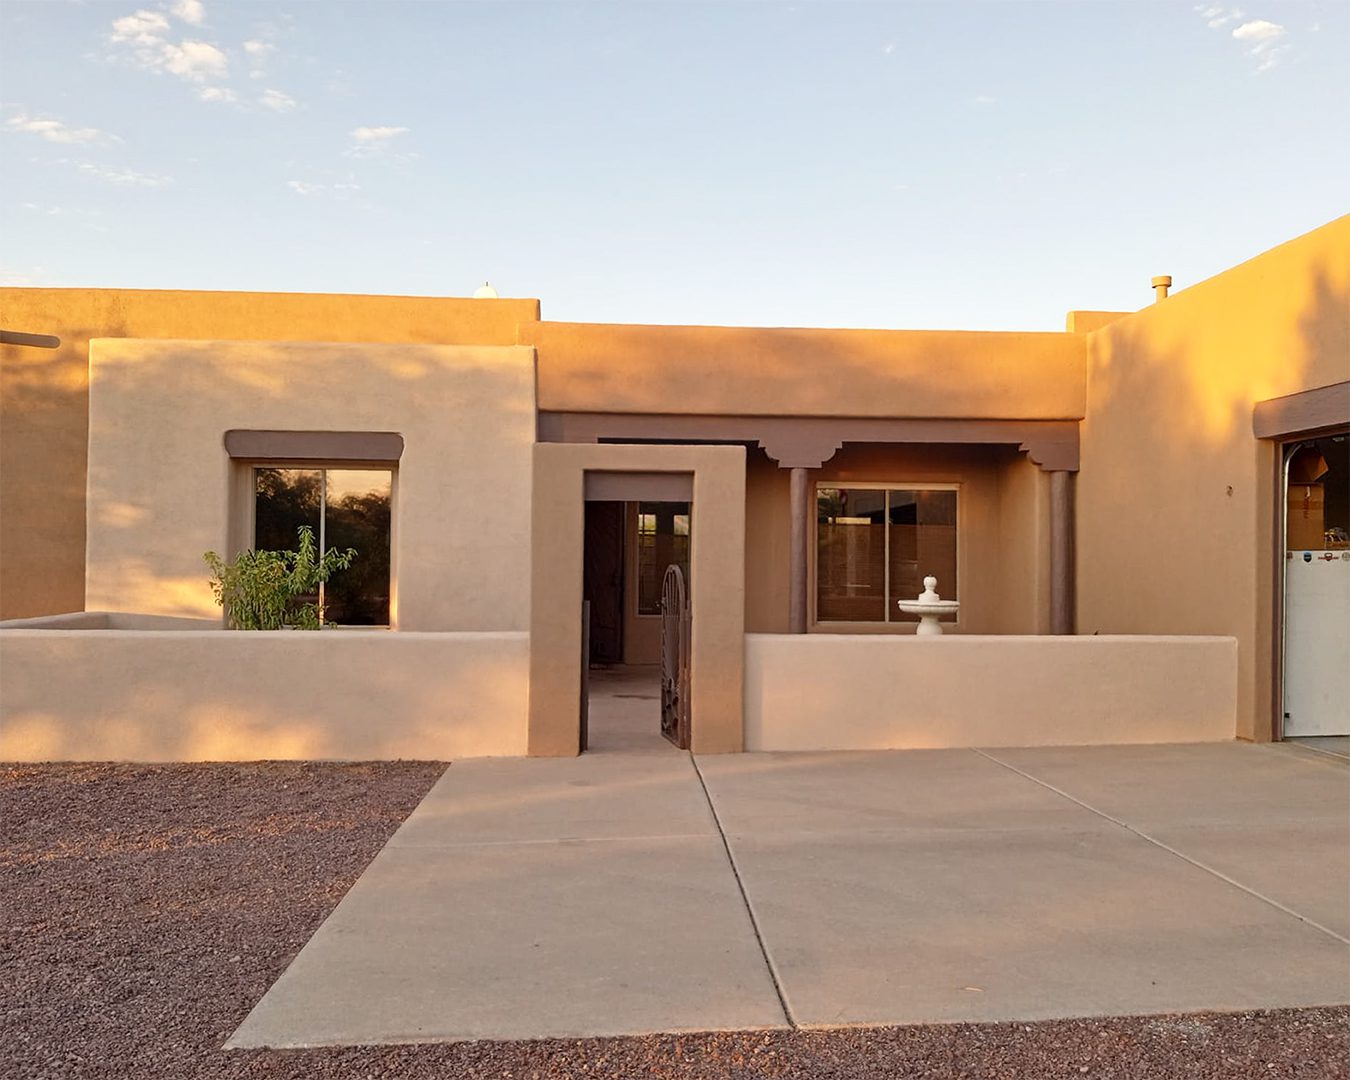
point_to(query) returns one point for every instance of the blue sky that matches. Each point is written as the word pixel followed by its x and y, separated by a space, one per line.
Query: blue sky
pixel 962 165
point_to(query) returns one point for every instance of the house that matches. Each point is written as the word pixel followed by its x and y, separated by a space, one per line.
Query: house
pixel 1143 519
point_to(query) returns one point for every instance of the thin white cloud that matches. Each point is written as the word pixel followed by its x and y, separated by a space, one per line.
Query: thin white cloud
pixel 57 132
pixel 123 177
pixel 143 28
pixel 984 99
pixel 370 142
pixel 190 11
pixel 1262 40
pixel 258 49
pixel 146 35
pixel 376 134
pixel 277 101
pixel 195 61
pixel 222 94
pixel 1259 30
pixel 338 191
pixel 1215 15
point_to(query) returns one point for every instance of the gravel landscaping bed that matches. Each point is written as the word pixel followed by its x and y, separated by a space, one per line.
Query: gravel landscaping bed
pixel 145 909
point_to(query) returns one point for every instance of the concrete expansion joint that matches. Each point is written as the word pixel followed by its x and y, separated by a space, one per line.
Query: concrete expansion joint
pixel 745 899
pixel 1167 848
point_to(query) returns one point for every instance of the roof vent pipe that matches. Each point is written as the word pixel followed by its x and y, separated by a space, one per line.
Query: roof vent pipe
pixel 1160 286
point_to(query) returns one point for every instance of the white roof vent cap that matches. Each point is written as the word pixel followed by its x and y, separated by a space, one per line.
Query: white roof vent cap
pixel 485 292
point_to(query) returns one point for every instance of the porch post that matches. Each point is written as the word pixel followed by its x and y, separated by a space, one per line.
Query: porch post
pixel 1062 570
pixel 797 539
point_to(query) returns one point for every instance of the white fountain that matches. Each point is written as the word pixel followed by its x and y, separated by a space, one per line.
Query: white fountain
pixel 928 607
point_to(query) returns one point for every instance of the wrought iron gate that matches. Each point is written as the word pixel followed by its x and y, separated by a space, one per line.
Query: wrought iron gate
pixel 675 658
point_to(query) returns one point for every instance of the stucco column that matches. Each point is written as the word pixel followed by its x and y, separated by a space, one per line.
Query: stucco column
pixel 1062 568
pixel 800 504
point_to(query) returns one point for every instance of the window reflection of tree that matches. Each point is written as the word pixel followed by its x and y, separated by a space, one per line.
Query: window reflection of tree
pixel 286 499
pixel 359 595
pixel 289 498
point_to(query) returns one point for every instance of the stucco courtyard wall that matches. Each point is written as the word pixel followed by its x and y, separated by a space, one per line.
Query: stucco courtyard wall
pixel 1177 500
pixel 850 692
pixel 44 414
pixel 160 477
pixel 222 695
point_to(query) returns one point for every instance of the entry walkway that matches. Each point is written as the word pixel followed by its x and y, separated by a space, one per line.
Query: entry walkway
pixel 634 892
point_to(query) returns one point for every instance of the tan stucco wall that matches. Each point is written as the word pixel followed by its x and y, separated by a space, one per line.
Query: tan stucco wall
pixel 589 367
pixel 717 586
pixel 98 695
pixel 767 555
pixel 159 476
pixel 1176 497
pixel 834 692
pixel 44 402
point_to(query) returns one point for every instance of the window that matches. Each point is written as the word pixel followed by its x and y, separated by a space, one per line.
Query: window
pixel 662 539
pixel 346 508
pixel 875 545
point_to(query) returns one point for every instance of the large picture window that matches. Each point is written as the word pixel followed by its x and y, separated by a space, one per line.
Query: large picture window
pixel 875 545
pixel 346 508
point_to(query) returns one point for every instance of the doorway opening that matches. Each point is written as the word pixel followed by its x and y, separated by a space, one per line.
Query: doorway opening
pixel 1316 665
pixel 628 547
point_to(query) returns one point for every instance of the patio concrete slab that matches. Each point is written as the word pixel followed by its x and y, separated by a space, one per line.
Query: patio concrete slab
pixel 927 926
pixel 593 896
pixel 516 902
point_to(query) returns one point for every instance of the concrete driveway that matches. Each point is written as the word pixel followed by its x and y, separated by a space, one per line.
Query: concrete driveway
pixel 642 890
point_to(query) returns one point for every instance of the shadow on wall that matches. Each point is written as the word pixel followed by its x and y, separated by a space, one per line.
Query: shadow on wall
pixel 1174 502
pixel 44 432
pixel 158 475
pixel 44 395
pixel 794 372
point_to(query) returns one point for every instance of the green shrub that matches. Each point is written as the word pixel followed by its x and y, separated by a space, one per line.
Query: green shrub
pixel 260 590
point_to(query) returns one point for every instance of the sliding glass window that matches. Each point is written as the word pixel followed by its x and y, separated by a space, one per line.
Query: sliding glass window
pixel 875 546
pixel 346 508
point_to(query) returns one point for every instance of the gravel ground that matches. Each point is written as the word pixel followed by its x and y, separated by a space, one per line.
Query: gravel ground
pixel 145 909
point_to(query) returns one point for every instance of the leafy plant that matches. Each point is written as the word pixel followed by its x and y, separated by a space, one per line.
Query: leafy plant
pixel 261 590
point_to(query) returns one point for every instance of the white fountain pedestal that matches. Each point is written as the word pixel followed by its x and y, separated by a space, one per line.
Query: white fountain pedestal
pixel 928 607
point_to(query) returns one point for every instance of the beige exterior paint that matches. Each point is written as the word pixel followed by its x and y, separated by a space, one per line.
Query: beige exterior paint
pixel 159 476
pixel 587 367
pixel 1176 498
pixel 44 417
pixel 836 692
pixel 98 695
pixel 717 586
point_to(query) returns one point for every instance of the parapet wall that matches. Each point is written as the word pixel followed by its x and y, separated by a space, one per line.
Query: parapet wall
pixel 861 692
